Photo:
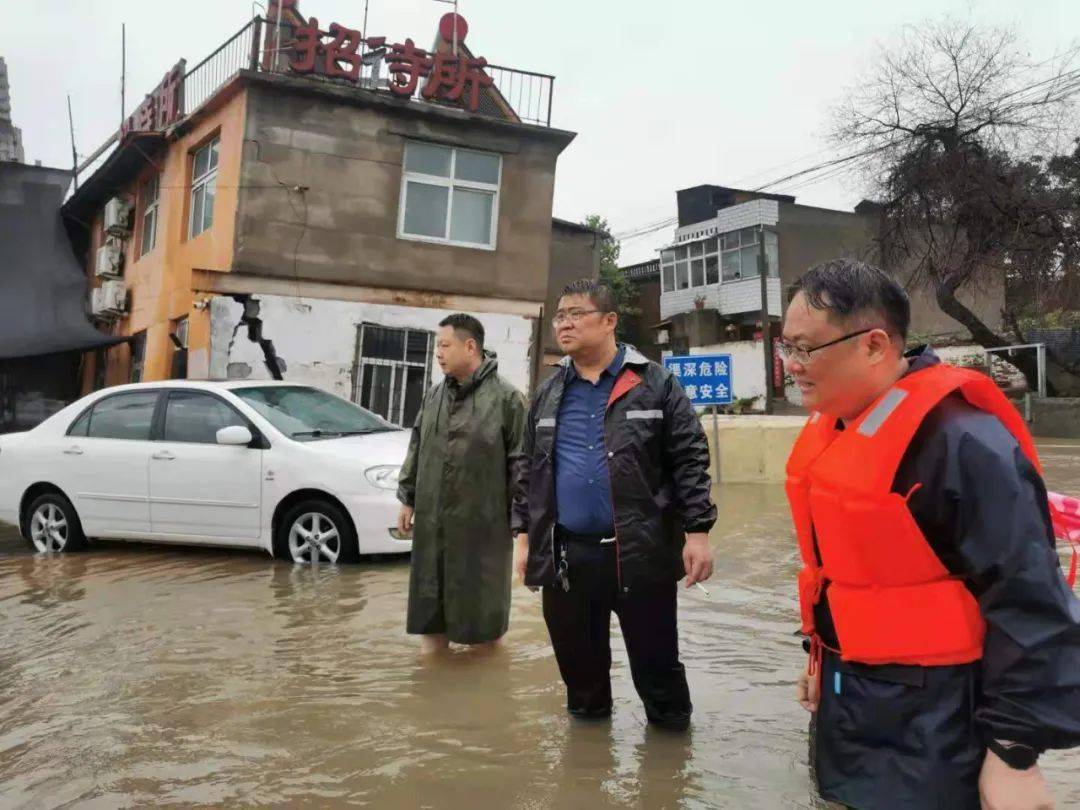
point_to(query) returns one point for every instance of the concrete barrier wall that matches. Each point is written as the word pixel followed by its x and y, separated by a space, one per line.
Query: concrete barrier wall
pixel 753 449
pixel 1055 418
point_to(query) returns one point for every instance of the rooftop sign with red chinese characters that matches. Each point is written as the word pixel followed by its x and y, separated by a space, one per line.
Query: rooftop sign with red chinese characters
pixel 162 107
pixel 440 76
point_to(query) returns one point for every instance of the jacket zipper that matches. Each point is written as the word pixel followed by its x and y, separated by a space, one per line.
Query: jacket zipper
pixel 614 521
pixel 608 456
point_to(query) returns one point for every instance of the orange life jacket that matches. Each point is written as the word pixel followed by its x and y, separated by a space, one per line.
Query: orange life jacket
pixel 891 598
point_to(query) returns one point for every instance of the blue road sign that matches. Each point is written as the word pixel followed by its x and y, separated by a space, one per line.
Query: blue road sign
pixel 706 378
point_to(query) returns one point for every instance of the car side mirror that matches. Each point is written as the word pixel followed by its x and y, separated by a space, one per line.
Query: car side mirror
pixel 235 435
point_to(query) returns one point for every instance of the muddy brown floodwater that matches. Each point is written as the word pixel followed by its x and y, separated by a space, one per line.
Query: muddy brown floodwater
pixel 136 676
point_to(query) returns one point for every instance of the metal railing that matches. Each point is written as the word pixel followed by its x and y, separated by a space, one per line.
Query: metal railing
pixel 240 52
pixel 529 95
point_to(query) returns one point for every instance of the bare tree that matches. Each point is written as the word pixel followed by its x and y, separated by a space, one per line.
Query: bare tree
pixel 951 129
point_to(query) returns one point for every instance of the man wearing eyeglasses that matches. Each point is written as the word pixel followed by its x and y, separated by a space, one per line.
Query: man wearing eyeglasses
pixel 614 509
pixel 943 640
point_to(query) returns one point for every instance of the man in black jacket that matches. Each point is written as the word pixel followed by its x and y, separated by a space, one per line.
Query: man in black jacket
pixel 616 472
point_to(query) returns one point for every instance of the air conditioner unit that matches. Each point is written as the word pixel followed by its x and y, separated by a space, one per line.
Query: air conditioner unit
pixel 109 300
pixel 110 258
pixel 118 216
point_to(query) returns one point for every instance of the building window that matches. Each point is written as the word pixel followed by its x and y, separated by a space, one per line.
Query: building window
pixel 740 254
pixel 138 356
pixel 151 189
pixel 693 265
pixel 393 371
pixel 204 166
pixel 450 196
pixel 730 257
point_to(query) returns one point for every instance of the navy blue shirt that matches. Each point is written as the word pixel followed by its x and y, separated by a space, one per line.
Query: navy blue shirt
pixel 582 482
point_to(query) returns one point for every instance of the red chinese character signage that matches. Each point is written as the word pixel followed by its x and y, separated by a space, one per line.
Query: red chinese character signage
pixel 162 107
pixel 441 76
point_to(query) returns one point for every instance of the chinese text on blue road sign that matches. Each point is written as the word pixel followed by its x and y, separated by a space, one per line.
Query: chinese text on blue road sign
pixel 706 378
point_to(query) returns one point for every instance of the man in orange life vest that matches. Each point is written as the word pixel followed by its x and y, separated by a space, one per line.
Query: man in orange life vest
pixel 944 641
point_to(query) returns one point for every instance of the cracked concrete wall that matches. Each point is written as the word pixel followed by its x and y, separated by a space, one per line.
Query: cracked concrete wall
pixel 316 338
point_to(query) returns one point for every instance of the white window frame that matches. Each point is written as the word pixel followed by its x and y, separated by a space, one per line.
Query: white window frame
pixel 150 210
pixel 207 178
pixel 449 183
pixel 669 263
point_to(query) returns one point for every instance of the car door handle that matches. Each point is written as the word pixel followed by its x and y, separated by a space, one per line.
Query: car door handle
pixel 164 455
pixel 73 451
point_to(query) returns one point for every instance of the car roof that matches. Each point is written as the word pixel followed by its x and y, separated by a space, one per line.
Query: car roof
pixel 205 385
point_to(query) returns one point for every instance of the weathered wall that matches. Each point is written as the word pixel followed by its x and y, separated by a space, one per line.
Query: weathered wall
pixel 343 227
pixel 810 235
pixel 575 254
pixel 642 331
pixel 317 339
pixel 159 283
pixel 753 449
pixel 1056 418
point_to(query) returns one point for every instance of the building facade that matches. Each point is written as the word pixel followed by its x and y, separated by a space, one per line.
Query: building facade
pixel 11 145
pixel 710 292
pixel 293 221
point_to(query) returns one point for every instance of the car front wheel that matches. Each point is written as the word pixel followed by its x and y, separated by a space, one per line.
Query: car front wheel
pixel 316 531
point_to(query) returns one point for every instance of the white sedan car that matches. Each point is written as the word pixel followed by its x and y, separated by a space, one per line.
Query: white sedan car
pixel 288 468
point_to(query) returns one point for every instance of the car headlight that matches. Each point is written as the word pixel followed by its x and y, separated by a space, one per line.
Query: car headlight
pixel 384 477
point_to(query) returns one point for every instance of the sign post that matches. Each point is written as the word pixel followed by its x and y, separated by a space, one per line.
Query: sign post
pixel 707 380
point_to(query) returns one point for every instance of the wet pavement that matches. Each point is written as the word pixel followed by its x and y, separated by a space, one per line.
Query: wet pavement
pixel 138 676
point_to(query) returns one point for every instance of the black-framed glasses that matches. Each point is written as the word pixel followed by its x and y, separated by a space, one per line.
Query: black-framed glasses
pixel 804 356
pixel 572 315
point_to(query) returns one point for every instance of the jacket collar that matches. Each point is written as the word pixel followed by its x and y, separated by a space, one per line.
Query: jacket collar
pixel 921 357
pixel 630 357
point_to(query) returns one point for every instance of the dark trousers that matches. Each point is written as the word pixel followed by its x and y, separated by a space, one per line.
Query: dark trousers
pixel 579 622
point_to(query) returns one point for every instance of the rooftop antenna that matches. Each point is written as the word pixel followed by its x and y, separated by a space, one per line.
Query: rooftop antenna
pixel 364 32
pixel 74 154
pixel 123 70
pixel 454 3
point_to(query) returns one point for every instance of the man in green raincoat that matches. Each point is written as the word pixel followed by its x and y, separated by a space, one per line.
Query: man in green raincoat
pixel 455 488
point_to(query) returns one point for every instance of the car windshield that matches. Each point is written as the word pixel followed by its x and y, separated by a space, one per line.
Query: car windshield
pixel 308 414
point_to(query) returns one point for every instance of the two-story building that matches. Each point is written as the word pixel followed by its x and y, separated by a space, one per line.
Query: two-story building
pixel 706 286
pixel 314 210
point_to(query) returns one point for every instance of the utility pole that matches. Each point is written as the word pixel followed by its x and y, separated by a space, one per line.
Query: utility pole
pixel 766 326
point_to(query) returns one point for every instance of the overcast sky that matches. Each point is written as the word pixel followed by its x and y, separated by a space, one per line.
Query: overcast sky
pixel 662 95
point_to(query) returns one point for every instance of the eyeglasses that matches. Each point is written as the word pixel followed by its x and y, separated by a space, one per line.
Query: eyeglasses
pixel 572 315
pixel 804 356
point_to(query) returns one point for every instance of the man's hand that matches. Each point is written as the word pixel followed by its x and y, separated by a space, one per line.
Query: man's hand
pixel 808 689
pixel 405 519
pixel 697 558
pixel 1005 788
pixel 521 555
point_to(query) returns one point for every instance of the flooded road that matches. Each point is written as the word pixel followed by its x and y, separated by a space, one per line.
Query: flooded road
pixel 135 676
